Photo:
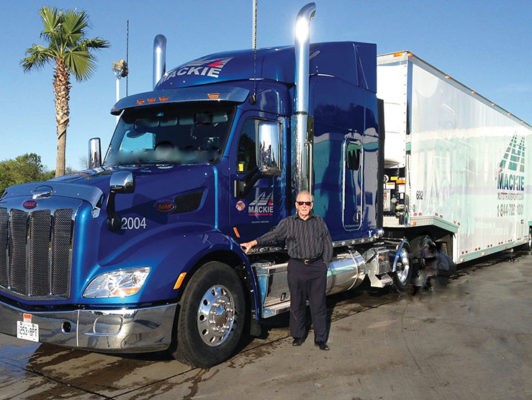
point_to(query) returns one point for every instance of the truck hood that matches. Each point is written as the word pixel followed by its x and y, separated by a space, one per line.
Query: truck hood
pixel 92 185
pixel 59 229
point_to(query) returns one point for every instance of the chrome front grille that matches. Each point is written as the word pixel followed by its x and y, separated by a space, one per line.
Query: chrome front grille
pixel 36 251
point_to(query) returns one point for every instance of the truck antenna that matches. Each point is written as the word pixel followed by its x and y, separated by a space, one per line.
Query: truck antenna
pixel 254 47
pixel 127 53
pixel 254 33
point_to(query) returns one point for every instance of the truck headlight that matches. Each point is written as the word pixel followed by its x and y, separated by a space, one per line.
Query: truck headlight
pixel 121 283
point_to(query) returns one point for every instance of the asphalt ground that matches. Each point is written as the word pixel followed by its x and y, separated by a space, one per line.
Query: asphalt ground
pixel 467 338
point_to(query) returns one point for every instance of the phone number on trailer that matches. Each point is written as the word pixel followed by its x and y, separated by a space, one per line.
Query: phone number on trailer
pixel 506 210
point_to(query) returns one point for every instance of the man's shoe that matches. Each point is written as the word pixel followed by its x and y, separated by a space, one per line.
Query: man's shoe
pixel 298 341
pixel 322 346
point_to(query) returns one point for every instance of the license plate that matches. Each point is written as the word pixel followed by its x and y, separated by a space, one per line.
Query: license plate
pixel 28 331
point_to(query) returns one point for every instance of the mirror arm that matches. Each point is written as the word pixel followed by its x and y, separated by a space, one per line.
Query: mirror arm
pixel 245 185
pixel 113 221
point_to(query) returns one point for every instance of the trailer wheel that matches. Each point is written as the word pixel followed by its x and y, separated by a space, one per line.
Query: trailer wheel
pixel 212 316
pixel 403 272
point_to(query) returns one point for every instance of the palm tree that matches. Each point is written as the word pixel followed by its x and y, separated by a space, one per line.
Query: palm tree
pixel 70 50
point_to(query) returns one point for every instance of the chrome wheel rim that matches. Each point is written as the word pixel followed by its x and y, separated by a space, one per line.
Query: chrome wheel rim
pixel 403 268
pixel 216 315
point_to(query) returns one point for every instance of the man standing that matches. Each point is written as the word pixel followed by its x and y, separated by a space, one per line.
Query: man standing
pixel 309 247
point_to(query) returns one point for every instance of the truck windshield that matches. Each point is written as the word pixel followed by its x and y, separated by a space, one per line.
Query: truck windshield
pixel 170 135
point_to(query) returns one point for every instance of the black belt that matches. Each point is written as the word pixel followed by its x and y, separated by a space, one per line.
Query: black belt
pixel 308 261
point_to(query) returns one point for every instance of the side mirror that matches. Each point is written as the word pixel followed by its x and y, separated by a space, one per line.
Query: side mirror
pixel 121 182
pixel 269 148
pixel 95 153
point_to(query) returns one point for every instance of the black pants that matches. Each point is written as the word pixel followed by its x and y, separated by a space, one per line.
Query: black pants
pixel 308 282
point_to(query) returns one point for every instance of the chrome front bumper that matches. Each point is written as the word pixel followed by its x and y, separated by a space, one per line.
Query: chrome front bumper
pixel 121 330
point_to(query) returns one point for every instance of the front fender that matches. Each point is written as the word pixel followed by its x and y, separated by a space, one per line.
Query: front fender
pixel 225 249
pixel 170 252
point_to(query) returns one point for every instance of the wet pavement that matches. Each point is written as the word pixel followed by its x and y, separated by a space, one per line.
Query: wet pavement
pixel 468 339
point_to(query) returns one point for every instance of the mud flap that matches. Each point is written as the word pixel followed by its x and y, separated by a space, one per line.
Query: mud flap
pixel 430 261
pixel 446 266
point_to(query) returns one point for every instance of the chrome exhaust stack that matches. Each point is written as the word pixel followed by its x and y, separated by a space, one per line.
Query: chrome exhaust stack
pixel 159 58
pixel 303 144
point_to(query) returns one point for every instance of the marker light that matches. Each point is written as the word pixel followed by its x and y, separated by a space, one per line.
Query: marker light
pixel 180 280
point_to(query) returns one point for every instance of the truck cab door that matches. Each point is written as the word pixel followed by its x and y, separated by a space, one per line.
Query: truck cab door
pixel 257 179
pixel 352 185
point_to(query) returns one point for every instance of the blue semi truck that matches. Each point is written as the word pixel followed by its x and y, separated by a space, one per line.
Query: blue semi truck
pixel 141 252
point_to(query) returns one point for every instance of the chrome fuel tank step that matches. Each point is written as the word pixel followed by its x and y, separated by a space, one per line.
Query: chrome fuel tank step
pixel 346 271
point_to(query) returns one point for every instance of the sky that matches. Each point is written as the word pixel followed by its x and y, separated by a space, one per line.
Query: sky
pixel 485 44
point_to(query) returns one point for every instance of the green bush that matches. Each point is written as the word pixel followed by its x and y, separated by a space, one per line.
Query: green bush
pixel 25 168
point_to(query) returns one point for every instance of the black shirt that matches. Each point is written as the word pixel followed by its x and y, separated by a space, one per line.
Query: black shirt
pixel 305 239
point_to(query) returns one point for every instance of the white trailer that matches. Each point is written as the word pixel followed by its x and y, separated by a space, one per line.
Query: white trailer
pixel 456 164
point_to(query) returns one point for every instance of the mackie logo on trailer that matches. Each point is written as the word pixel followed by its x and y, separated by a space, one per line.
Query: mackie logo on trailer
pixel 511 180
pixel 511 175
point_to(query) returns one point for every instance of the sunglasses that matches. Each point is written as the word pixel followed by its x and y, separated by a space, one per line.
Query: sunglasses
pixel 306 203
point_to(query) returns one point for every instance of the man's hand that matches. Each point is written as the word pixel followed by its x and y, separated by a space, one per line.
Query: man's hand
pixel 248 245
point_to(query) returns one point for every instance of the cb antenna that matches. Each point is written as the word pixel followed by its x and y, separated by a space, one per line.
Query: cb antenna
pixel 254 47
pixel 254 34
pixel 127 53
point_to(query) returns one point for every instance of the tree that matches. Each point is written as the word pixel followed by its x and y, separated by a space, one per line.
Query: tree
pixel 70 50
pixel 25 168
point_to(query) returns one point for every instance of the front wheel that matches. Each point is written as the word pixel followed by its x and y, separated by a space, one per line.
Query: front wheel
pixel 212 316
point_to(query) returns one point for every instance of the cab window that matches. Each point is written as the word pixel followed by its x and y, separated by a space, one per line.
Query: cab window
pixel 246 157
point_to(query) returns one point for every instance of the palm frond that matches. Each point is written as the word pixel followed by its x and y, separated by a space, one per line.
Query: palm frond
pixel 37 56
pixel 80 64
pixel 96 43
pixel 73 26
pixel 51 21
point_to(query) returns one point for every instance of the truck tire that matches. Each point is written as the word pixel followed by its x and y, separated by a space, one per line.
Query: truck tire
pixel 403 273
pixel 212 316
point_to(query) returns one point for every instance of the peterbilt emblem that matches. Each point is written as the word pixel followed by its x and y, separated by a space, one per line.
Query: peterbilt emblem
pixel 29 204
pixel 41 192
pixel 166 206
